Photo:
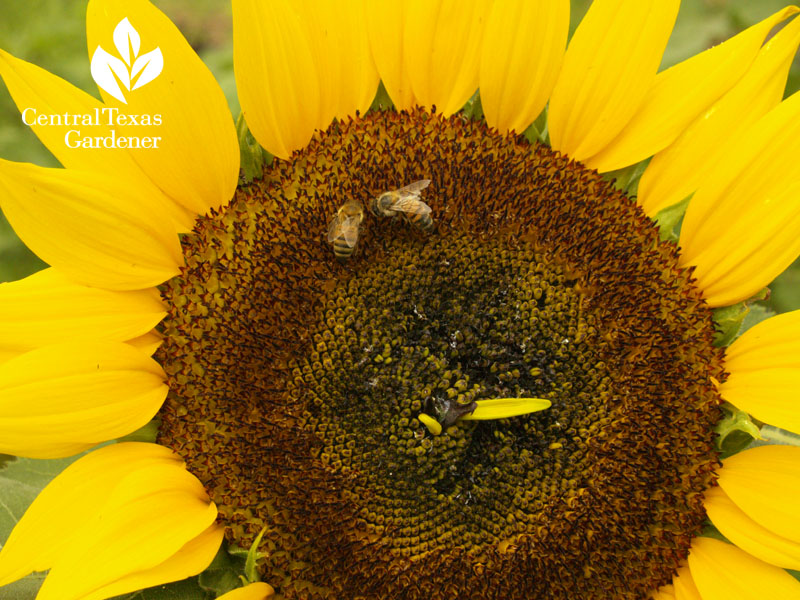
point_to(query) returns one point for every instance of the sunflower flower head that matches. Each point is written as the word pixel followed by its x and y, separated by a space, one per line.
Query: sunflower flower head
pixel 423 352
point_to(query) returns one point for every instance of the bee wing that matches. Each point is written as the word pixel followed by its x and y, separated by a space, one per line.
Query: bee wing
pixel 333 227
pixel 415 188
pixel 350 230
pixel 410 204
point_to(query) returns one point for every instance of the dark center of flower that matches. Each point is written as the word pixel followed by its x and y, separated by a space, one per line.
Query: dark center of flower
pixel 305 377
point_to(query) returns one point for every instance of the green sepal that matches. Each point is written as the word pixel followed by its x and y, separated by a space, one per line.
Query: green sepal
pixel 735 431
pixel 251 563
pixel 780 436
pixel 223 574
pixel 252 156
pixel 473 109
pixel 146 433
pixel 669 220
pixel 729 319
pixel 538 132
pixel 382 101
pixel 627 179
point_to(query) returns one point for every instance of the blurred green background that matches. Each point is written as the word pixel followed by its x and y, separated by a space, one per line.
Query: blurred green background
pixel 50 33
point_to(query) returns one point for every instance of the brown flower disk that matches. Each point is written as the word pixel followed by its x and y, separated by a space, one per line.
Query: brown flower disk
pixel 297 380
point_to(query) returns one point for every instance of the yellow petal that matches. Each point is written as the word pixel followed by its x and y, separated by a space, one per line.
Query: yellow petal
pixel 764 482
pixel 254 591
pixel 148 517
pixel 39 94
pixel 748 535
pixel 386 25
pixel 339 42
pixel 442 50
pixel 681 93
pixel 678 170
pixel 191 559
pixel 89 227
pixel 523 48
pixel 764 367
pixel 723 572
pixel 666 592
pixel 608 69
pixel 685 588
pixel 46 308
pixel 148 343
pixel 504 408
pixel 276 77
pixel 197 160
pixel 67 502
pixel 62 399
pixel 742 227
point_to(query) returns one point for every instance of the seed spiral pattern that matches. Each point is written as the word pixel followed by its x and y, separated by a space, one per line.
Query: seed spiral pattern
pixel 297 381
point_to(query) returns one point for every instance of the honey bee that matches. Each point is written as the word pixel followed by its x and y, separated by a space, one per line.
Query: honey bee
pixel 344 227
pixel 406 202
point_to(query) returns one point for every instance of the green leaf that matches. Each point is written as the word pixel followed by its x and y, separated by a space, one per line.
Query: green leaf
pixel 669 220
pixel 223 574
pixel 21 480
pixel 188 589
pixel 23 589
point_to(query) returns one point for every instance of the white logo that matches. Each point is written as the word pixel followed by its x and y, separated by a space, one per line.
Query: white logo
pixel 108 70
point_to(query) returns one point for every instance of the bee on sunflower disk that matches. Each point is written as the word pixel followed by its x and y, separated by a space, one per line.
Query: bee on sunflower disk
pixel 406 202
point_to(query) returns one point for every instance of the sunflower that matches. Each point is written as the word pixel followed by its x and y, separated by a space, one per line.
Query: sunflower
pixel 325 340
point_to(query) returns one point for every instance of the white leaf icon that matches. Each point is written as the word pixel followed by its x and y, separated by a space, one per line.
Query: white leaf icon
pixel 150 64
pixel 126 38
pixel 104 68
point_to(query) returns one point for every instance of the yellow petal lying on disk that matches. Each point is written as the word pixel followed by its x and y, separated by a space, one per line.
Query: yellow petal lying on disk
pixel 504 408
pixel 46 308
pixel 523 47
pixel 62 399
pixel 742 227
pixel 608 69
pixel 136 530
pixel 89 227
pixel 339 42
pixel 67 502
pixel 764 367
pixel 764 482
pixel 443 49
pixel 41 95
pixel 678 170
pixel 748 535
pixel 254 591
pixel 276 78
pixel 197 159
pixel 685 588
pixel 386 24
pixel 723 572
pixel 681 93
